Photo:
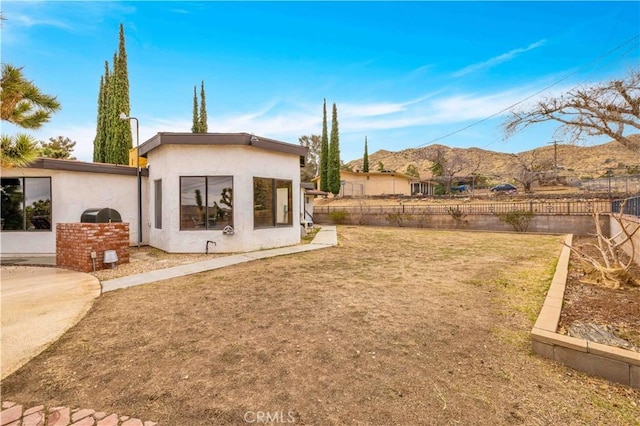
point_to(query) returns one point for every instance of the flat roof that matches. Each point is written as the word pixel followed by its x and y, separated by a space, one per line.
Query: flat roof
pixel 246 139
pixel 83 166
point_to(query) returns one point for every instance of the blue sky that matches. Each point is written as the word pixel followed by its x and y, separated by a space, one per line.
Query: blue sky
pixel 404 75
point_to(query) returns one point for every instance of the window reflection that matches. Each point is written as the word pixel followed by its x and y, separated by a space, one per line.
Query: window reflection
pixel 26 204
pixel 206 202
pixel 272 200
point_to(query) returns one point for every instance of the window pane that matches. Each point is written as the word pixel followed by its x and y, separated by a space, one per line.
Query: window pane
pixel 262 202
pixel 12 193
pixel 158 203
pixel 283 202
pixel 220 201
pixel 192 202
pixel 38 203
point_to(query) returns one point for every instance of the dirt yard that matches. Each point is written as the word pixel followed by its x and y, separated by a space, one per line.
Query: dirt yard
pixel 394 326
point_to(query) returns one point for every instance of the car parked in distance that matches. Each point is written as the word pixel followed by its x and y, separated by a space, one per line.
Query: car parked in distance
pixel 504 188
pixel 460 188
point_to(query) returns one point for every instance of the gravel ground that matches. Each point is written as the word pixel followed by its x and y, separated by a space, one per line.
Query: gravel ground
pixel 145 259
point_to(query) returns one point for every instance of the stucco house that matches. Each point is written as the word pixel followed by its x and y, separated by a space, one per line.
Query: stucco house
pixel 225 192
pixel 361 184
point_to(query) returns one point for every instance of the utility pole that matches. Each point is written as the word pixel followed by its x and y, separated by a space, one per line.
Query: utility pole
pixel 555 156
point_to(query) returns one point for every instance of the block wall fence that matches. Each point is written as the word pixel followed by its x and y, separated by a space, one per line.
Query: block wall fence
pixel 76 241
pixel 630 223
pixel 554 224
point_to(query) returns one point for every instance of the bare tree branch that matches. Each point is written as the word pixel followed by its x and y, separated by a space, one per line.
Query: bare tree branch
pixel 599 110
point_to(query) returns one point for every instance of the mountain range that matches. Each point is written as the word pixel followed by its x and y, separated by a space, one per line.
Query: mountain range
pixel 579 161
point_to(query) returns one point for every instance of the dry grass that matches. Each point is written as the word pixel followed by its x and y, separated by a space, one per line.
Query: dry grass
pixel 394 326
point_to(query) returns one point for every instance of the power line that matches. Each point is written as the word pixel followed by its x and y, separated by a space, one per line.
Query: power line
pixel 593 62
pixel 536 93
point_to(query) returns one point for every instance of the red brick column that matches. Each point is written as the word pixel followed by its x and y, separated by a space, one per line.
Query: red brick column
pixel 76 241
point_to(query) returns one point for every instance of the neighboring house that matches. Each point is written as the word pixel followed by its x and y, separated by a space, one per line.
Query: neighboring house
pixel 238 191
pixel 360 184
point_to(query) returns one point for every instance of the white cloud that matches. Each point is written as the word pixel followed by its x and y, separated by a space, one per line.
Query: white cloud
pixel 23 15
pixel 31 21
pixel 498 59
pixel 288 120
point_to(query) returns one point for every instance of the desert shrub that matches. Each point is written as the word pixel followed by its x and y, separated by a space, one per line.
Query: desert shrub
pixel 338 216
pixel 456 214
pixel 399 219
pixel 422 220
pixel 518 219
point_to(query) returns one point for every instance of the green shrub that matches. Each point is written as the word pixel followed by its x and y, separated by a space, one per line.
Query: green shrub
pixel 517 219
pixel 456 214
pixel 338 216
pixel 399 219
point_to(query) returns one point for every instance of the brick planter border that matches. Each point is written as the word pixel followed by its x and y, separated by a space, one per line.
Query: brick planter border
pixel 612 363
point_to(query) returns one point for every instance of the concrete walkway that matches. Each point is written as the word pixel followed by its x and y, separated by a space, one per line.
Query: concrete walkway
pixel 326 237
pixel 38 306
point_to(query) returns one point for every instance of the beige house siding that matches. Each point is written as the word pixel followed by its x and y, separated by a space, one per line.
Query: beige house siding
pixel 354 184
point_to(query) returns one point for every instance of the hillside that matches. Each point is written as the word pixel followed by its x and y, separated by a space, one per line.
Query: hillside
pixel 572 160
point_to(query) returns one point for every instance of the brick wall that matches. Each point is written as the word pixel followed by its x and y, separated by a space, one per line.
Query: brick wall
pixel 76 241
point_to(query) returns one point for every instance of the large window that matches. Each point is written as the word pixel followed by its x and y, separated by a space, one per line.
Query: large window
pixel 206 202
pixel 26 204
pixel 271 202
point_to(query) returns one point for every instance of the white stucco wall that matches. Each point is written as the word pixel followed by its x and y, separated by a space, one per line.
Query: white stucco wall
pixel 71 194
pixel 170 162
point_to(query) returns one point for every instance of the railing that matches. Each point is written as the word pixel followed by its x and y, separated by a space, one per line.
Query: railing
pixel 577 208
pixel 625 184
pixel 307 216
pixel 631 206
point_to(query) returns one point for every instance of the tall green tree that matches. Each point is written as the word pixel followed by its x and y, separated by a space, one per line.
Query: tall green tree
pixel 199 122
pixel 102 127
pixel 324 151
pixel 195 122
pixel 60 147
pixel 203 110
pixel 333 172
pixel 21 102
pixel 365 159
pixel 113 136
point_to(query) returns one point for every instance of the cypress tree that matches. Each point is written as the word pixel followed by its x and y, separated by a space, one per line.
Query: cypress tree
pixel 195 126
pixel 203 111
pixel 111 115
pixel 333 173
pixel 324 151
pixel 124 139
pixel 365 160
pixel 113 136
pixel 98 141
